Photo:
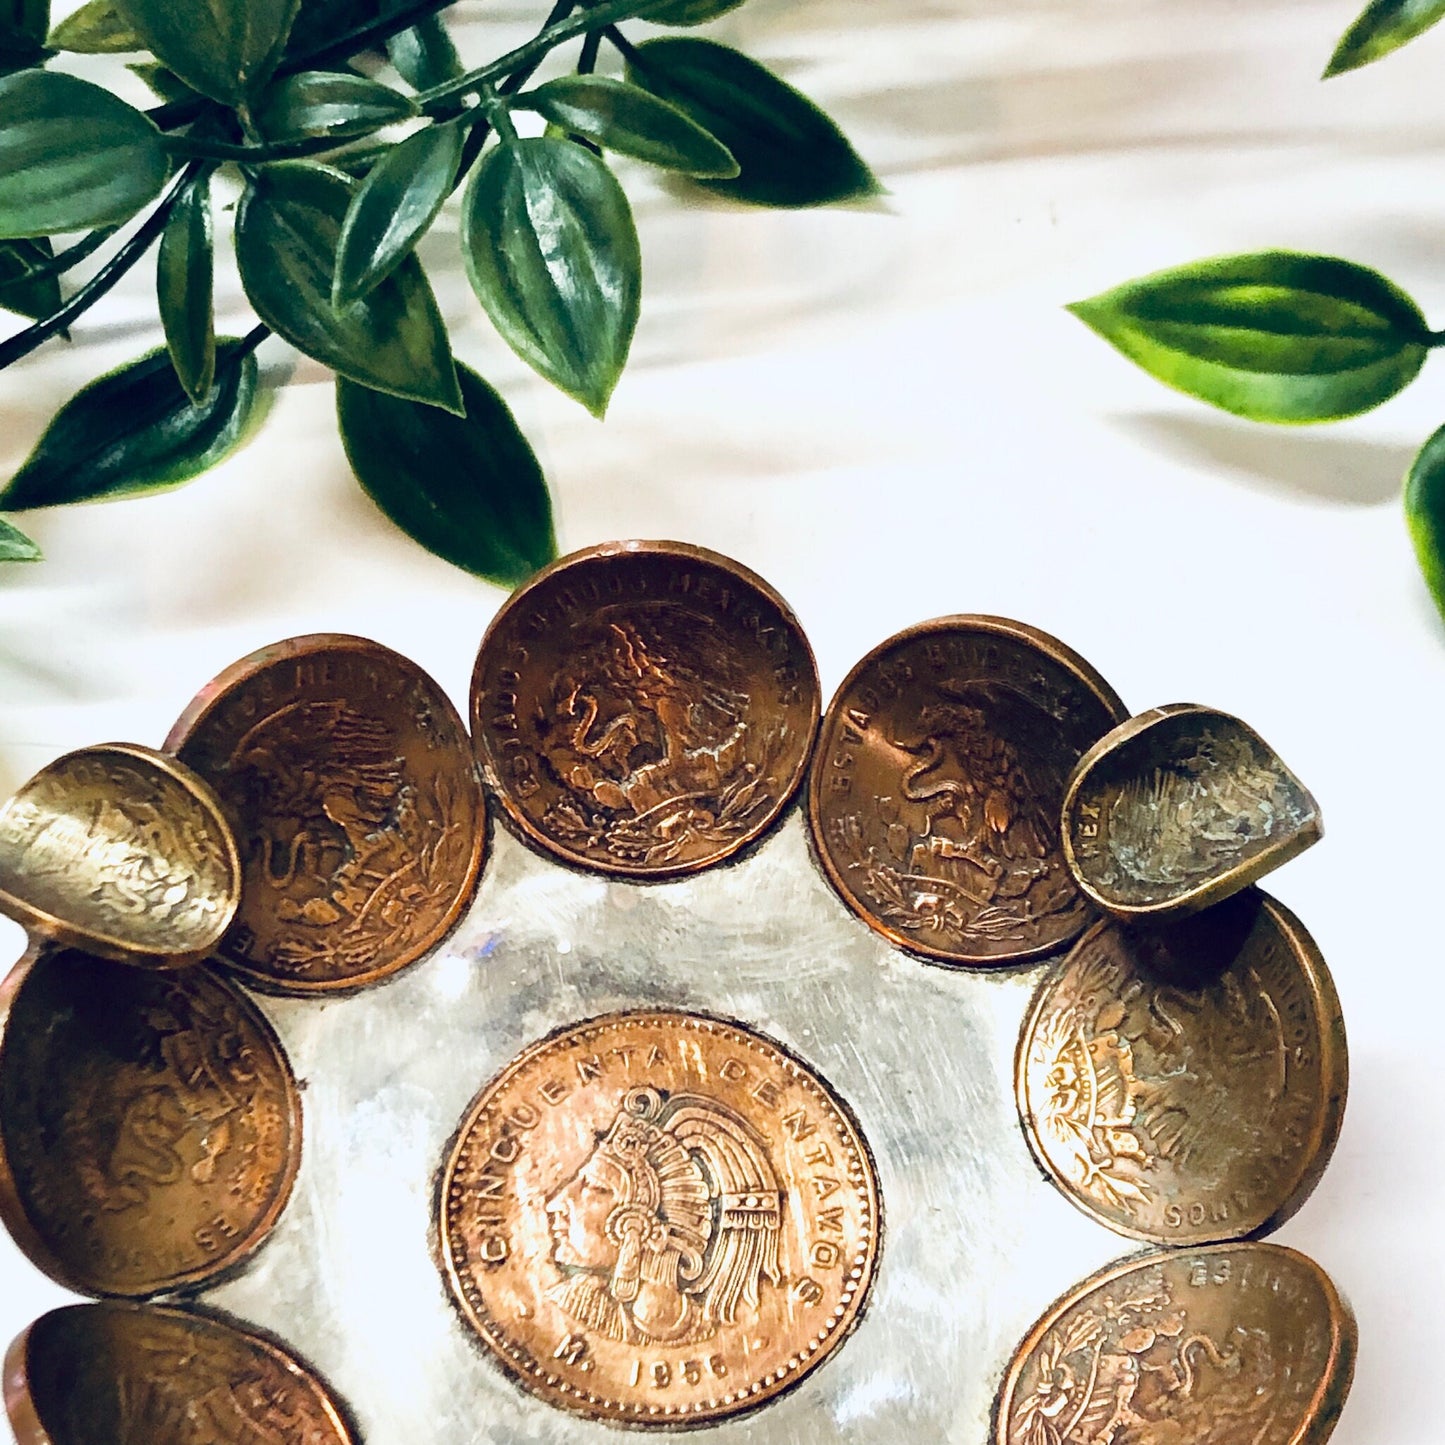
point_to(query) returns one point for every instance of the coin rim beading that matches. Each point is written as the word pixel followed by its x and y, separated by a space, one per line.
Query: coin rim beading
pixel 532 1374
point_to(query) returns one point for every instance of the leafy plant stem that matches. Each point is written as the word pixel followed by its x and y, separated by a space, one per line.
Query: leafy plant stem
pixel 365 37
pixel 24 342
pixel 477 135
pixel 72 256
pixel 249 342
pixel 343 47
pixel 499 116
pixel 623 46
pixel 587 61
pixel 546 40
pixel 255 154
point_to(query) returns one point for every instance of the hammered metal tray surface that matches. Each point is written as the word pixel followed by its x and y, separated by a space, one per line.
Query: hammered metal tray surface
pixel 975 1243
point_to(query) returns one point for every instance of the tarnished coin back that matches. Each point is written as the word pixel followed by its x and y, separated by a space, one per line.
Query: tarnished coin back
pixel 1235 1344
pixel 121 851
pixel 150 1129
pixel 645 708
pixel 939 778
pixel 124 1374
pixel 1179 808
pixel 659 1218
pixel 352 787
pixel 1187 1086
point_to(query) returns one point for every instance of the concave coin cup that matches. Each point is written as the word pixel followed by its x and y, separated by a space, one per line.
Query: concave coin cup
pixel 1178 808
pixel 123 852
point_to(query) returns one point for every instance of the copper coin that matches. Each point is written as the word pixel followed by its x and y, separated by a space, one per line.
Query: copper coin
pixel 1180 808
pixel 645 708
pixel 936 790
pixel 150 1128
pixel 659 1218
pixel 1235 1344
pixel 124 1374
pixel 351 784
pixel 1187 1086
pixel 121 851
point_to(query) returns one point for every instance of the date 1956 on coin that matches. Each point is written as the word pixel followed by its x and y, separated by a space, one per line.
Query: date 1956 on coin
pixel 659 1218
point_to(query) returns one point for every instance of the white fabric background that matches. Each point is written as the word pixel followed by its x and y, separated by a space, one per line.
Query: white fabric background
pixel 886 412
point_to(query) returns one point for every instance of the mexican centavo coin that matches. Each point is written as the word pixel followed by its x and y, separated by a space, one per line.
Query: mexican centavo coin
pixel 936 790
pixel 645 708
pixel 659 1218
pixel 150 1128
pixel 350 781
pixel 1233 1344
pixel 1189 1085
pixel 126 1374
pixel 1179 808
pixel 121 851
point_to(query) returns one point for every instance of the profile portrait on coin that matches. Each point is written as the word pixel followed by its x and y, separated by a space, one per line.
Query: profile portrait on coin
pixel 670 1225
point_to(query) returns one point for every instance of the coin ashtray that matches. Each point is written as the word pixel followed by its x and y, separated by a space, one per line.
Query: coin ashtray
pixel 638 1094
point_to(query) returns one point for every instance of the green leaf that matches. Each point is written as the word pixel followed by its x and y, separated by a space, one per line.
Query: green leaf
pixel 15 546
pixel 319 22
pixel 25 19
pixel 788 151
pixel 329 103
pixel 1274 336
pixel 392 339
pixel 393 207
pixel 552 254
pixel 225 49
pixel 23 24
pixel 1383 26
pixel 185 271
pixel 72 156
pixel 469 490
pixel 691 12
pixel 20 292
pixel 96 29
pixel 1425 513
pixel 627 119
pixel 165 83
pixel 424 56
pixel 136 431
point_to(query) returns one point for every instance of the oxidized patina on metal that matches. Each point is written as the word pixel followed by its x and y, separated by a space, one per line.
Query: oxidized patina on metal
pixel 1178 808
pixel 127 1374
pixel 351 784
pixel 645 709
pixel 1233 1344
pixel 123 852
pixel 1187 1085
pixel 150 1126
pixel 659 1218
pixel 935 794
